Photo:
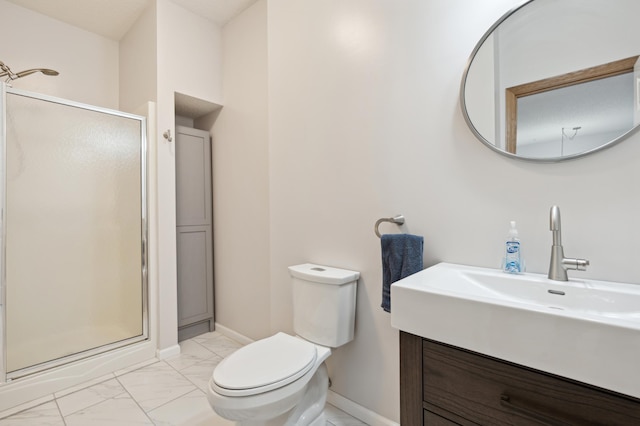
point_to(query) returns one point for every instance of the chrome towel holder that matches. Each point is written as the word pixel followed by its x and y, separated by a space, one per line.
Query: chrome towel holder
pixel 399 219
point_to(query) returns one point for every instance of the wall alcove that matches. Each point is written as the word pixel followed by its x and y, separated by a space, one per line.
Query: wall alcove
pixel 194 214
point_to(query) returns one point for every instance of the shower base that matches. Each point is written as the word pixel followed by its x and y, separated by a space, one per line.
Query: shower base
pixel 43 384
pixel 30 352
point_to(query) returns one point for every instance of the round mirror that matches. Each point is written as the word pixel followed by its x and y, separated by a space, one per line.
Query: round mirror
pixel 554 80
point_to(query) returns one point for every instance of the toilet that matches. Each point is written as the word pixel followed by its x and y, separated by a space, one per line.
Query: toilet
pixel 282 379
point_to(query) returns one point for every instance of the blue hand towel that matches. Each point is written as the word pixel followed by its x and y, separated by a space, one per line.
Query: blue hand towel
pixel 401 257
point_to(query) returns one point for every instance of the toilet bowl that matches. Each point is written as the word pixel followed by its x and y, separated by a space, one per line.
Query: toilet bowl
pixel 282 380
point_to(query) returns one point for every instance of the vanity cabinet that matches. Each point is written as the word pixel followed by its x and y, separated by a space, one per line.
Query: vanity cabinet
pixel 445 385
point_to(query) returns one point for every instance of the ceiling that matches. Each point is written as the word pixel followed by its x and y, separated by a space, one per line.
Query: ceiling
pixel 113 18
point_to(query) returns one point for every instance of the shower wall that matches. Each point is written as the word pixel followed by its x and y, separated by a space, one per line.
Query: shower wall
pixel 74 259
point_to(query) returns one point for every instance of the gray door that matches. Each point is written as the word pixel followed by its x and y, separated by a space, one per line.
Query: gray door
pixel 193 227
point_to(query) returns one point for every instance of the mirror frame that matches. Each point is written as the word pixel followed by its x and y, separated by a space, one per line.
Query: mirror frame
pixel 581 76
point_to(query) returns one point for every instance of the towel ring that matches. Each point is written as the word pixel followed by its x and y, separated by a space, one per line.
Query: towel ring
pixel 399 219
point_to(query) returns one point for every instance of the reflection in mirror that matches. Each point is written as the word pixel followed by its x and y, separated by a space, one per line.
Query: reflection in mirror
pixel 566 55
pixel 597 101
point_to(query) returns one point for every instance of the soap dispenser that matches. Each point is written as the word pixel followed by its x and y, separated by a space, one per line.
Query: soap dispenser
pixel 512 259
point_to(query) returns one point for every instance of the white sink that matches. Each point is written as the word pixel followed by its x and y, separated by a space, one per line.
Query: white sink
pixel 581 329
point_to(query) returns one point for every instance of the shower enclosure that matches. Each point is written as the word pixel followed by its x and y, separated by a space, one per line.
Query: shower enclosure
pixel 73 251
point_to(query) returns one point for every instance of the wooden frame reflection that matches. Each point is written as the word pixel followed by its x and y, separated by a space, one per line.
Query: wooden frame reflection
pixel 512 94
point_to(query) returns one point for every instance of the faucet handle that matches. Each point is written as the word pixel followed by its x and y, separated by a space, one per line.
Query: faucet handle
pixel 575 264
pixel 581 264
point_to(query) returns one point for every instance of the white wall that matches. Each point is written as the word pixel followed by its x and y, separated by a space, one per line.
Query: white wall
pixel 138 62
pixel 189 53
pixel 87 63
pixel 364 122
pixel 241 179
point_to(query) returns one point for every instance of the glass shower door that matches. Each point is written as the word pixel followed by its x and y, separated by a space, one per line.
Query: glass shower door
pixel 74 209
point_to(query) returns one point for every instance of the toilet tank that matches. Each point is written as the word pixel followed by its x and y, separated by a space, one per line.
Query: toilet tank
pixel 324 303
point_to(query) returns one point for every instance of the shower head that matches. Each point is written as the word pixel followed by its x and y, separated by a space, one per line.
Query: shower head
pixel 44 71
pixel 5 71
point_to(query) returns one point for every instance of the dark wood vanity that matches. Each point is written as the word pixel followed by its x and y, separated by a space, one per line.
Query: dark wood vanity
pixel 444 385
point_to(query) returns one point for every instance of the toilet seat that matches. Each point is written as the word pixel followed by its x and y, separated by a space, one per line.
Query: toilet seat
pixel 264 365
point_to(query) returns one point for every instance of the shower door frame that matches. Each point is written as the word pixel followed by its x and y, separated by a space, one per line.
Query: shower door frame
pixel 44 366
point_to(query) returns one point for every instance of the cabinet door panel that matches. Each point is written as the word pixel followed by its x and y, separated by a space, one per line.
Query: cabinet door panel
pixel 195 274
pixel 193 177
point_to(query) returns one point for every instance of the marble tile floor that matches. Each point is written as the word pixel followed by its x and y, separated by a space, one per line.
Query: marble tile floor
pixel 167 392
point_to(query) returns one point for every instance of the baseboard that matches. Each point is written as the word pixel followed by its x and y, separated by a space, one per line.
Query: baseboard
pixel 193 330
pixel 167 352
pixel 358 411
pixel 233 334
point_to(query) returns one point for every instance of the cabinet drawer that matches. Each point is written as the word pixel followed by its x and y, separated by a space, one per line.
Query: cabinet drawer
pixel 491 392
pixel 432 419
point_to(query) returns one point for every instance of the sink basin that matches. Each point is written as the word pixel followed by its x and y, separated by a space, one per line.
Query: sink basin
pixel 585 330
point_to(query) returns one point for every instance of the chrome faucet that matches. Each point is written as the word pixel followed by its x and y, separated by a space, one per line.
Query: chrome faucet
pixel 559 264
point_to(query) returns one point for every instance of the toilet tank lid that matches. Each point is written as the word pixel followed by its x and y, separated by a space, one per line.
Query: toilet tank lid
pixel 323 274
